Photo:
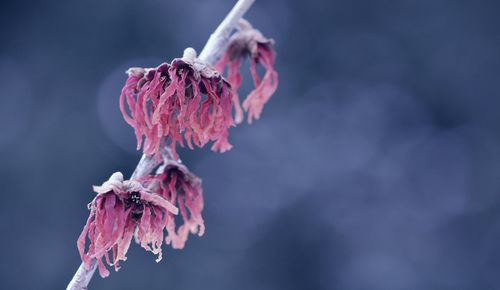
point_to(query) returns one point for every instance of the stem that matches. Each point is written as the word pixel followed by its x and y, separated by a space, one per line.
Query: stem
pixel 217 42
pixel 212 51
pixel 82 277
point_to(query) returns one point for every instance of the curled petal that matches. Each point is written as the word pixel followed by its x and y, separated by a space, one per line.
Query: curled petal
pixel 159 201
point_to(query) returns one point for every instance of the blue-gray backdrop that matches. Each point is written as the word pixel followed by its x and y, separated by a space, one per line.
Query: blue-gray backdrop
pixel 375 166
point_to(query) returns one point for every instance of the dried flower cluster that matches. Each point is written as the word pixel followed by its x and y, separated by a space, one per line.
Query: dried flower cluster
pixel 250 42
pixel 185 100
pixel 188 100
pixel 182 188
pixel 143 209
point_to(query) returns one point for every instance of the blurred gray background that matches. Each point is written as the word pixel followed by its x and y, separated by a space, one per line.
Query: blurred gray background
pixel 375 166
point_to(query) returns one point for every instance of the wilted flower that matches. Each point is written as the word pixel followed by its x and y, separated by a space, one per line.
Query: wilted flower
pixel 250 42
pixel 187 99
pixel 177 184
pixel 121 210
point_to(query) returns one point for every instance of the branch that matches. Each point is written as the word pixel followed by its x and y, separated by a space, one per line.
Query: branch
pixel 218 41
pixel 212 51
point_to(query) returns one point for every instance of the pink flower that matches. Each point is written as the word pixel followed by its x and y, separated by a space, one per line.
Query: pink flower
pixel 121 210
pixel 182 188
pixel 185 100
pixel 249 41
